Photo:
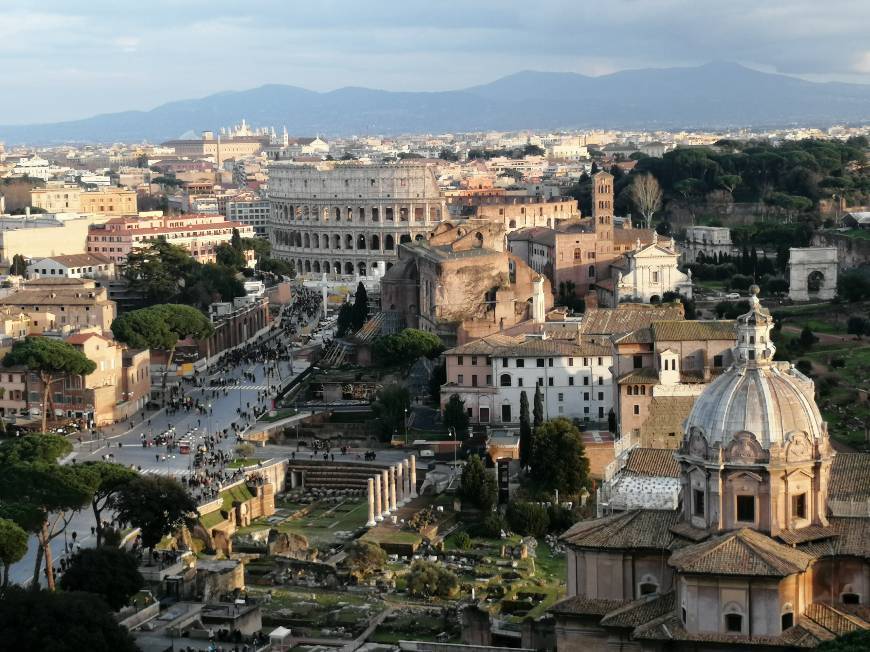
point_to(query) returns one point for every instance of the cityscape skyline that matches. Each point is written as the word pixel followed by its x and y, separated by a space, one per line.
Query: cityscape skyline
pixel 107 57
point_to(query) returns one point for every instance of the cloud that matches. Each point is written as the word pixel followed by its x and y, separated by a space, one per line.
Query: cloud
pixel 125 48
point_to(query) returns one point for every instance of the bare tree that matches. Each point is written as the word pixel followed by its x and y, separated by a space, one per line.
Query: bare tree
pixel 647 195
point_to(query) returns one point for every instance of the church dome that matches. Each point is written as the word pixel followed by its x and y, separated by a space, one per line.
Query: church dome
pixel 772 401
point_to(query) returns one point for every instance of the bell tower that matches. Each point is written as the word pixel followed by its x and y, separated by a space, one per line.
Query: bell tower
pixel 602 205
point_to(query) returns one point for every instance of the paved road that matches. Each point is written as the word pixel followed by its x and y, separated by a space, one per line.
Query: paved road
pixel 124 442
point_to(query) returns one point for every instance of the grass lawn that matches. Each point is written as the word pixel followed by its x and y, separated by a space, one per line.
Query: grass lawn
pixel 239 493
pixel 211 519
pixel 323 521
pixel 281 413
pixel 385 535
pixel 243 461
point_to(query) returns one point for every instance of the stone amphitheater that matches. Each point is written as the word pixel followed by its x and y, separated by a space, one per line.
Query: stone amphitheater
pixel 346 219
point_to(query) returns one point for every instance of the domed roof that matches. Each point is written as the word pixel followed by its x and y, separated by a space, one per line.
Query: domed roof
pixel 771 400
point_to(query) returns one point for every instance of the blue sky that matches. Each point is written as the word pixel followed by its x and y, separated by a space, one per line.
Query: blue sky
pixel 66 59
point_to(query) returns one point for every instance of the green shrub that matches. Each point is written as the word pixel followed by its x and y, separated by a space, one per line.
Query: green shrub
pixel 528 519
pixel 463 540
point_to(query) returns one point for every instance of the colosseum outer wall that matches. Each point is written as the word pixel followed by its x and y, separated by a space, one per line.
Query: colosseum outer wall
pixel 349 219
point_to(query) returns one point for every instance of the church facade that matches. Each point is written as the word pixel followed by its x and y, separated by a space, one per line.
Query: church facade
pixel 769 546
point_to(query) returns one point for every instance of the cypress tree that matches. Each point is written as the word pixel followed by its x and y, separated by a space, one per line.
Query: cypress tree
pixel 538 411
pixel 525 430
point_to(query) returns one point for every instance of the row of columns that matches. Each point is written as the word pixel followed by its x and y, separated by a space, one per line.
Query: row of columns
pixel 392 488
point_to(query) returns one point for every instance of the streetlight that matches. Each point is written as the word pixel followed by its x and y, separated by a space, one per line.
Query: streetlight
pixel 406 426
pixel 452 432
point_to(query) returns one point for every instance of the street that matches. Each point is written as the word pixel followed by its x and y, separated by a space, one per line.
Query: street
pixel 124 443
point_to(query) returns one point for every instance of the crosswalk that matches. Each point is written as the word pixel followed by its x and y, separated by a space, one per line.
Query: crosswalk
pixel 162 470
pixel 237 387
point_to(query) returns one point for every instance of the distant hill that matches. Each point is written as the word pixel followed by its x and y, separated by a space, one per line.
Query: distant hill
pixel 712 95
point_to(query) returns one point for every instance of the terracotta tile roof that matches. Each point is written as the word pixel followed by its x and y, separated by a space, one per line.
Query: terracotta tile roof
pixel 76 260
pixel 669 628
pixel 806 534
pixel 659 462
pixel 504 346
pixel 580 606
pixel 743 552
pixel 641 611
pixel 667 414
pixel 850 477
pixel 681 330
pixel 833 620
pixel 852 538
pixel 628 317
pixel 643 375
pixel 483 346
pixel 688 531
pixel 639 336
pixel 647 529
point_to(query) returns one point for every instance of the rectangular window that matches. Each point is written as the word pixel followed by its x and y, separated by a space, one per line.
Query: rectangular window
pixel 799 506
pixel 521 363
pixel 473 360
pixel 717 360
pixel 600 412
pixel 550 382
pixel 488 379
pixel 506 413
pixel 504 362
pixel 585 396
pixel 474 380
pixel 600 396
pixel 638 361
pixel 570 362
pixel 600 361
pixel 520 381
pixel 585 380
pixel 540 362
pixel 697 502
pixel 571 381
pixel 549 362
pixel 484 415
pixel 655 277
pixel 746 509
pixel 460 379
pixel 460 360
pixel 541 382
pixel 561 397
pixel 637 409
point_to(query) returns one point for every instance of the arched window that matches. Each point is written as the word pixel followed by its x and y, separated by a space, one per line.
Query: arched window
pixel 591 271
pixel 647 586
pixel 850 598
pixel 512 224
pixel 389 243
pixel 787 618
pixel 628 390
pixel 505 380
pixel 643 390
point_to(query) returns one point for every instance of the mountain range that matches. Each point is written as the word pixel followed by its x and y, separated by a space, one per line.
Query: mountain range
pixel 714 95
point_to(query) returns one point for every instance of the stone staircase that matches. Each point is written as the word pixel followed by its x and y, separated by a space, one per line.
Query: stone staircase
pixel 321 474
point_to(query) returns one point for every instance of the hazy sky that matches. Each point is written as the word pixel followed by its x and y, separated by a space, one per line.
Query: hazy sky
pixel 65 59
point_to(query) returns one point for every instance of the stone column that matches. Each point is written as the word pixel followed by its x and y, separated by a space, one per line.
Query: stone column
pixel 378 505
pixel 400 485
pixel 406 476
pixel 371 521
pixel 385 476
pixel 391 474
pixel 413 476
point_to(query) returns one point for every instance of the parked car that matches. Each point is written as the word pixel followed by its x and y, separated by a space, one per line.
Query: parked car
pixel 732 295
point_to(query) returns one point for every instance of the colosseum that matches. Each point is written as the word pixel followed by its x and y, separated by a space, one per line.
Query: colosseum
pixel 348 219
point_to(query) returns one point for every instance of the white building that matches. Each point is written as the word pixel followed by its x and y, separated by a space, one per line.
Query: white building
pixel 36 167
pixel 490 375
pixel 648 273
pixel 254 212
pixel 93 266
pixel 706 243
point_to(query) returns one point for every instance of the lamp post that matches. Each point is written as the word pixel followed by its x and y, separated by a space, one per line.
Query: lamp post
pixel 452 432
pixel 406 427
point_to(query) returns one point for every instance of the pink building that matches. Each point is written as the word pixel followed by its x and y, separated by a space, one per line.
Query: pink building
pixel 199 234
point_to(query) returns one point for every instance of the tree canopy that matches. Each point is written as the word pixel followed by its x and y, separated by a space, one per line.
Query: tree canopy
pixel 111 573
pixel 477 486
pixel 559 458
pixel 390 406
pixel 60 622
pixel 427 579
pixel 13 545
pixel 50 358
pixel 157 505
pixel 406 346
pixel 364 558
pixel 455 415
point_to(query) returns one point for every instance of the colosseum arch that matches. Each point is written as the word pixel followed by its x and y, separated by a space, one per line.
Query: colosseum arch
pixel 336 267
pixel 348 241
pixel 405 238
pixel 315 241
pixel 307 266
pixel 325 240
pixel 389 242
pixel 376 243
pixel 362 214
pixel 361 241
pixel 306 241
pixel 419 237
pixel 298 265
pixel 348 268
pixel 336 241
pixel 316 267
pixel 361 267
pixel 349 213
